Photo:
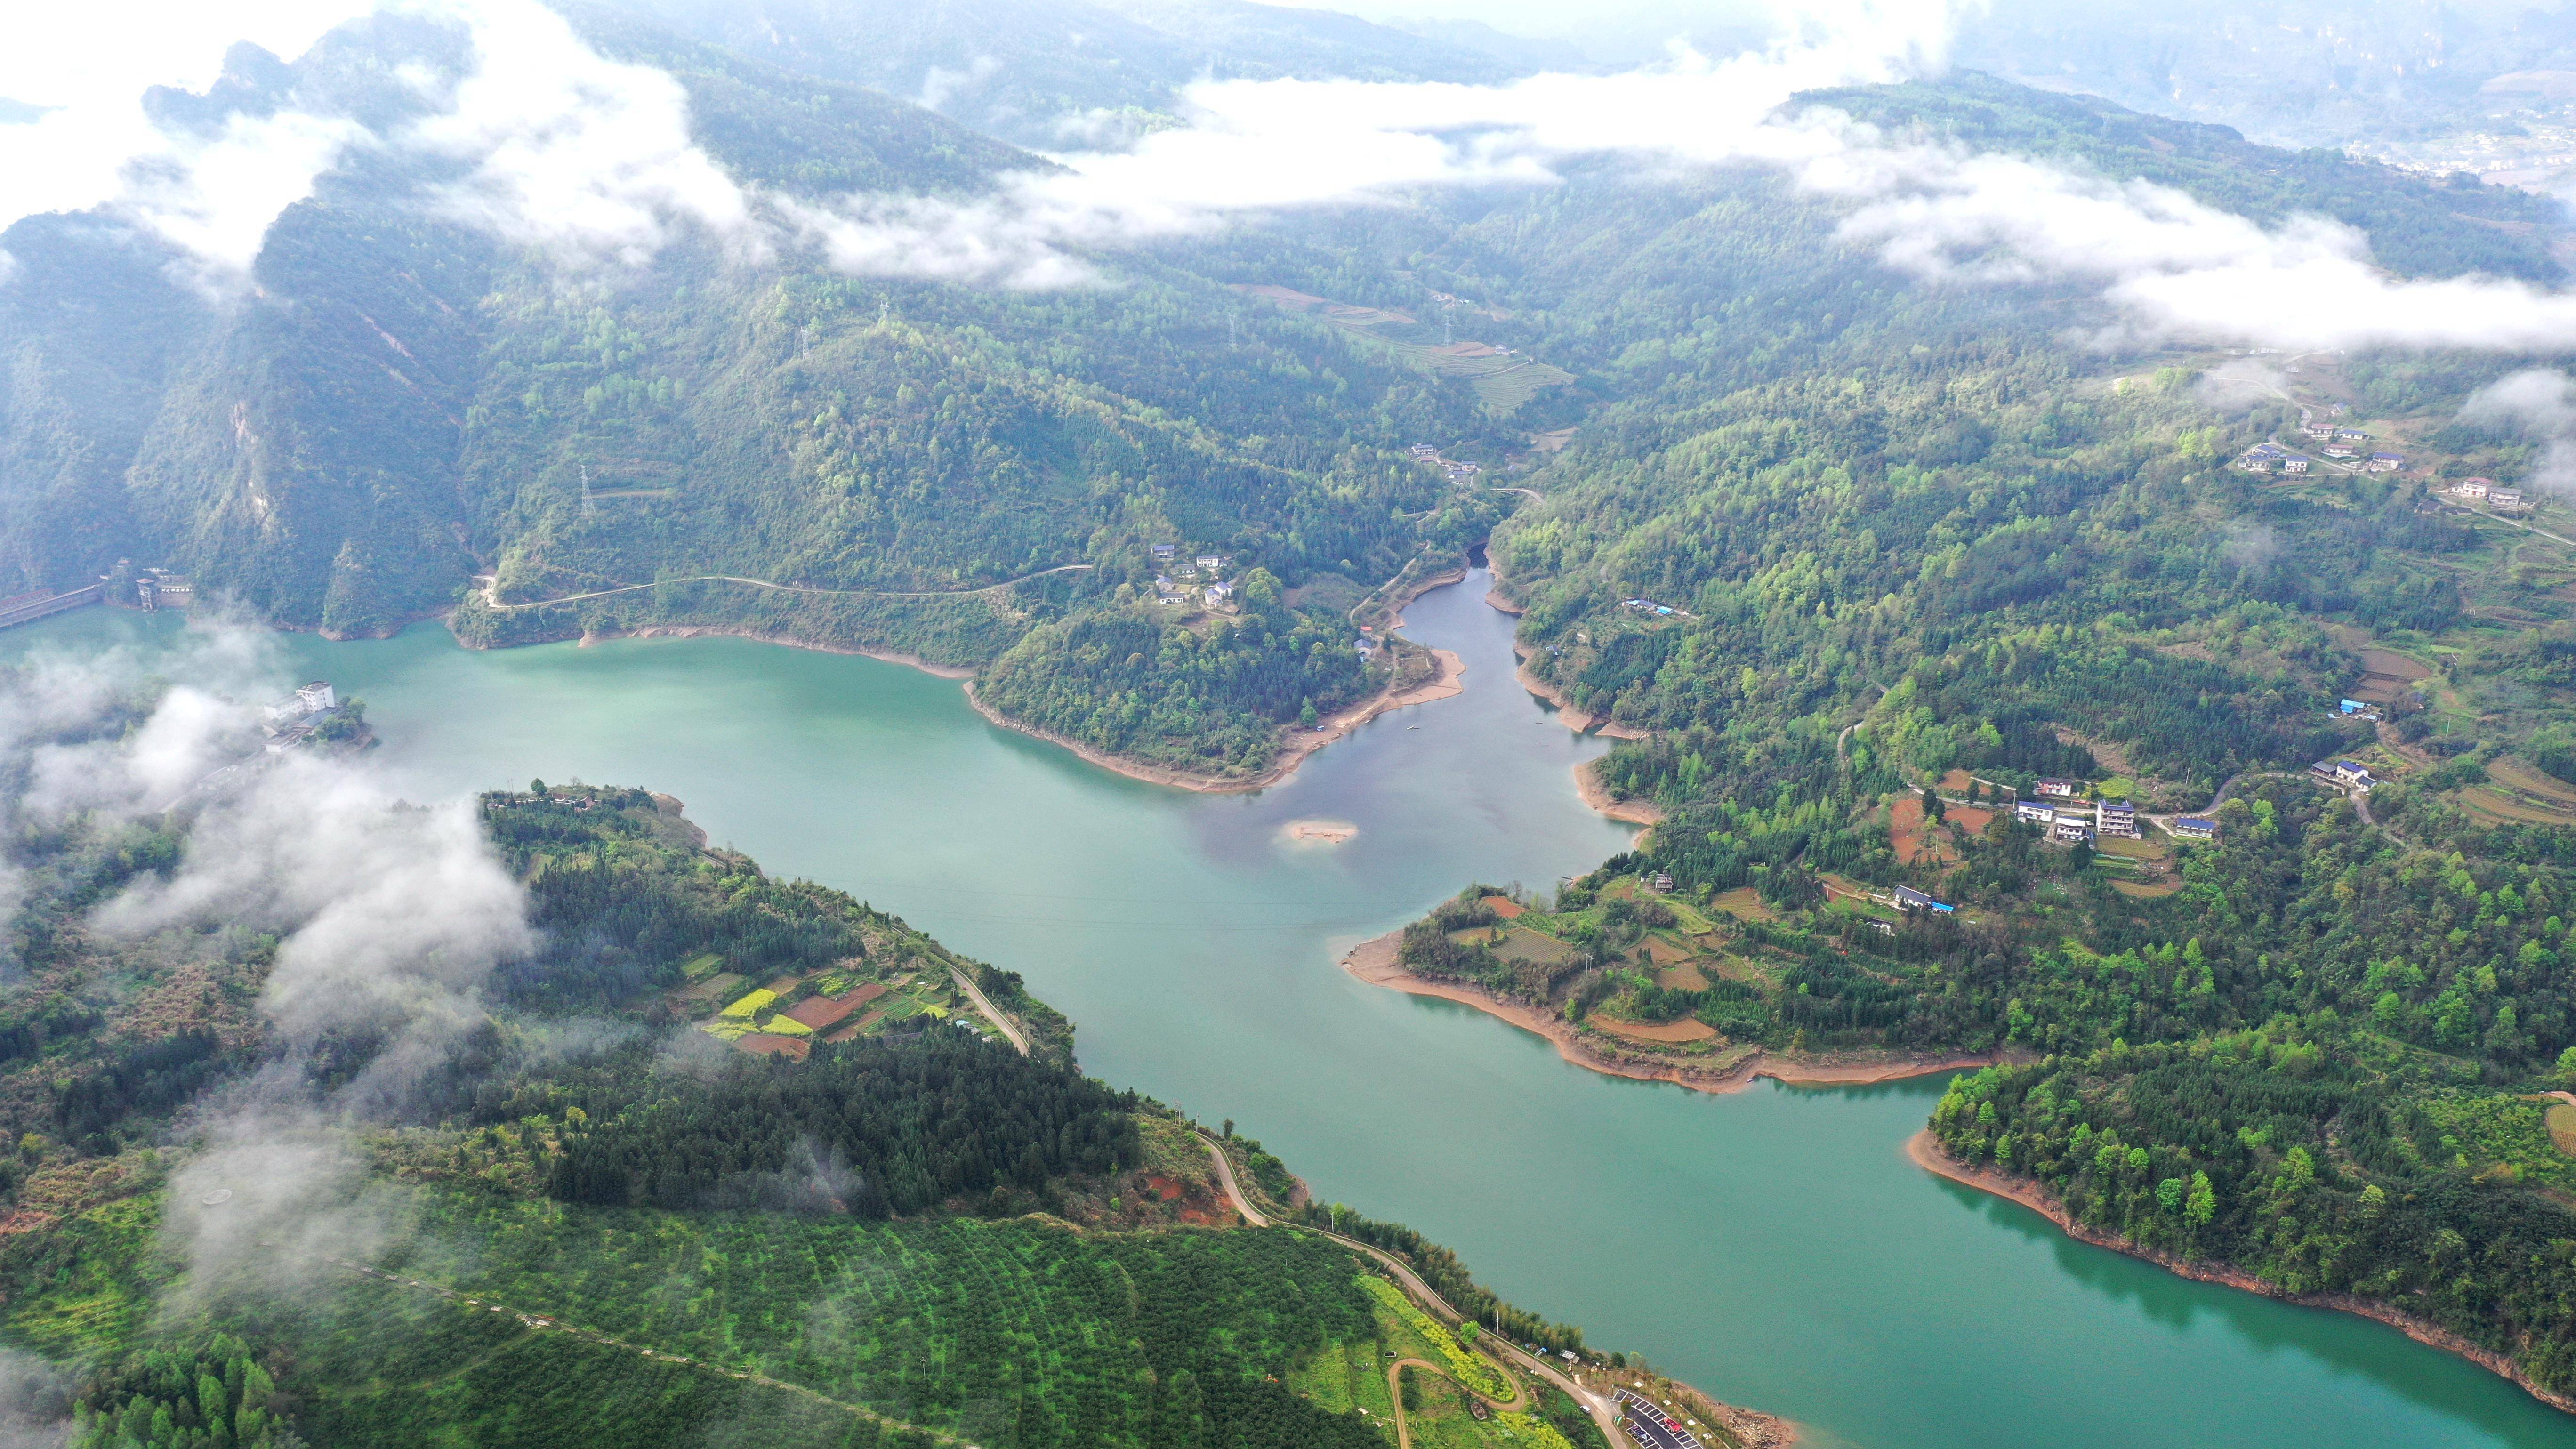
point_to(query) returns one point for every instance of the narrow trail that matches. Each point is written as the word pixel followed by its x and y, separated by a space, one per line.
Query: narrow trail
pixel 543 1323
pixel 1001 1023
pixel 1604 1413
pixel 1395 1395
pixel 492 583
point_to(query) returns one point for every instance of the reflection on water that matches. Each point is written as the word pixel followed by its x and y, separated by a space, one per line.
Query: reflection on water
pixel 1775 1246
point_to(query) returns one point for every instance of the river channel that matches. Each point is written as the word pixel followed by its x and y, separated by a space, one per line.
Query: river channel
pixel 1773 1247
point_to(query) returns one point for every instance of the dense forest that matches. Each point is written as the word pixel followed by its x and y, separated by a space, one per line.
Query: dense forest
pixel 878 1129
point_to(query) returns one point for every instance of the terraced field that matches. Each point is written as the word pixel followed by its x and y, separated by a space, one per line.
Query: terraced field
pixel 1503 380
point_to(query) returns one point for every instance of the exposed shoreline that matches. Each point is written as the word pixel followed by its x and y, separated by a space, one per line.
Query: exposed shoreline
pixel 1448 675
pixel 1375 962
pixel 1587 783
pixel 726 631
pixel 1926 1152
pixel 1566 714
pixel 1447 679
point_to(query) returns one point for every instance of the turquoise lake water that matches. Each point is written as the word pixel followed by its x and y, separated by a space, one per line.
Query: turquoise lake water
pixel 1774 1246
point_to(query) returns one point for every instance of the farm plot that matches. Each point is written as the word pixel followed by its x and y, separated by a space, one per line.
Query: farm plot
pixel 1745 904
pixel 1014 1332
pixel 1529 948
pixel 1502 379
pixel 1667 1033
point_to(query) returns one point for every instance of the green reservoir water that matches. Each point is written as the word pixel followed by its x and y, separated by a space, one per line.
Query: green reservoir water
pixel 1773 1247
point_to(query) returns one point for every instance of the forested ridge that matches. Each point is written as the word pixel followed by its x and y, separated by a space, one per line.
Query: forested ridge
pixel 406 406
pixel 906 1238
pixel 1906 553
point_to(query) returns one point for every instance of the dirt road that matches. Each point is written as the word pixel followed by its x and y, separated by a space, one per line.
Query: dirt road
pixel 492 582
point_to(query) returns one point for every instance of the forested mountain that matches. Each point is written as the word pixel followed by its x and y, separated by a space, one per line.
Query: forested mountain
pixel 406 414
pixel 1859 563
pixel 1061 73
pixel 909 1235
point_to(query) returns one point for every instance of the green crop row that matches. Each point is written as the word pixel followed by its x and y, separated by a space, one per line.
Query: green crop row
pixel 1466 1367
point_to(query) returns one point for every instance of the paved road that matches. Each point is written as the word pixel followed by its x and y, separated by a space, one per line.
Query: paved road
pixel 1233 1189
pixel 1603 1414
pixel 491 583
pixel 1001 1022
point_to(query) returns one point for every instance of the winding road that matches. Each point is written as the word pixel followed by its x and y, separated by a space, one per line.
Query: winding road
pixel 1001 1023
pixel 1604 1413
pixel 492 582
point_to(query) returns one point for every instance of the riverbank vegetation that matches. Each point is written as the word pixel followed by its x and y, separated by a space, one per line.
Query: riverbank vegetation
pixel 907 1237
pixel 1859 587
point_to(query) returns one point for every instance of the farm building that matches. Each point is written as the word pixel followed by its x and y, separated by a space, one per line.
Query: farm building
pixel 1910 899
pixel 2058 789
pixel 2072 828
pixel 2508 500
pixel 2386 462
pixel 2473 487
pixel 2195 827
pixel 2118 820
pixel 2034 812
pixel 2295 464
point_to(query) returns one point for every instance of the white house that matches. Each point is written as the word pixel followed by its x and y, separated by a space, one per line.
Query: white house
pixel 311 699
pixel 2473 487
pixel 2034 812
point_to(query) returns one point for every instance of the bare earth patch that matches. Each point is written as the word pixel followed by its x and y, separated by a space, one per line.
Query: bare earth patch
pixel 1320 832
pixel 1670 1031
pixel 1687 977
pixel 1745 904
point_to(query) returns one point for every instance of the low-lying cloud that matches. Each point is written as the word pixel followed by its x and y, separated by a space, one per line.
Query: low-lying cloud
pixel 389 918
pixel 590 162
pixel 584 160
pixel 2540 404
